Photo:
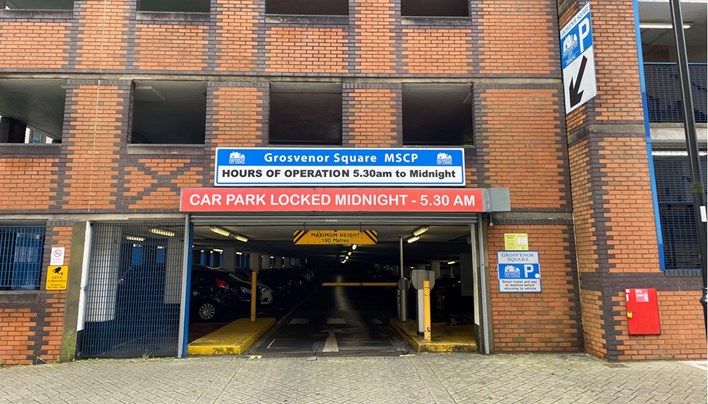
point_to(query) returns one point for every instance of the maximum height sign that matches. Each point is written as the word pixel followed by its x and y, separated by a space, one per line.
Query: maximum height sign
pixel 578 60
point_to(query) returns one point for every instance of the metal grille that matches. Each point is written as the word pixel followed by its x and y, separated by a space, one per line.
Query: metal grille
pixel 678 225
pixel 21 257
pixel 664 92
pixel 133 291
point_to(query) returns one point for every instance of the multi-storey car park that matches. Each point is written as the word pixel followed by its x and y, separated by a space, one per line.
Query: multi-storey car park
pixel 458 131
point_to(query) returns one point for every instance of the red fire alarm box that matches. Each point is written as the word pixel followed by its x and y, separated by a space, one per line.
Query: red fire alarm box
pixel 642 311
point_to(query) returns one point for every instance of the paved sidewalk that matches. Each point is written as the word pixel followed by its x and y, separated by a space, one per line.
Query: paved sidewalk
pixel 420 378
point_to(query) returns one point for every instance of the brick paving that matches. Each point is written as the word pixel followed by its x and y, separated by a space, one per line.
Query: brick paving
pixel 421 378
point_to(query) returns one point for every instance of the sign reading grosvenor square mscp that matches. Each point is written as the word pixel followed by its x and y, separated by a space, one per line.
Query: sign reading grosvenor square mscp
pixel 341 166
pixel 286 179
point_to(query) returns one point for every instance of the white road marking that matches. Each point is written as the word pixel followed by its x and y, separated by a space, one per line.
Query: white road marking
pixel 299 321
pixel 331 343
pixel 336 321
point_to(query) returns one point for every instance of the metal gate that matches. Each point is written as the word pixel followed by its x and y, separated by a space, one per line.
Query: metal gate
pixel 133 290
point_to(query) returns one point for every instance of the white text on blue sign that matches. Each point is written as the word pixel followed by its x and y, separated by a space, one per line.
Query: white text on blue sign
pixel 341 166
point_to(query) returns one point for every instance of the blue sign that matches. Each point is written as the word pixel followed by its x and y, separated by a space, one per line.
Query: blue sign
pixel 578 60
pixel 576 36
pixel 519 271
pixel 270 166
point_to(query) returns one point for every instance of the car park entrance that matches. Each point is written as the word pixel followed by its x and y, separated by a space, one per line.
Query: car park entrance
pixel 150 288
pixel 337 297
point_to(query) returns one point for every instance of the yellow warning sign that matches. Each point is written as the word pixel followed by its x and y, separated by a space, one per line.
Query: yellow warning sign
pixel 57 276
pixel 516 241
pixel 319 237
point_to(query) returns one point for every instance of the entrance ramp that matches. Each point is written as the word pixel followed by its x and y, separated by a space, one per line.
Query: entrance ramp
pixel 445 337
pixel 232 339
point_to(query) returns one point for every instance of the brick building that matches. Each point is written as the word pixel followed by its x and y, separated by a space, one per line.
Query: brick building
pixel 110 108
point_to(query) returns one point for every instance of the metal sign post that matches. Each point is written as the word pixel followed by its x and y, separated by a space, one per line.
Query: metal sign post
pixel 689 125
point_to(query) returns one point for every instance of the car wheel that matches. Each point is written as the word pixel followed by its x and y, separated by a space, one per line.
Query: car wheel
pixel 207 311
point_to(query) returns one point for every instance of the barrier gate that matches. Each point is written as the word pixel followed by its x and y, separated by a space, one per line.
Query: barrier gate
pixel 133 290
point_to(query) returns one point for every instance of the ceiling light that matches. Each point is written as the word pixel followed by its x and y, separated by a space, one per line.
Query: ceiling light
pixel 241 238
pixel 239 253
pixel 353 247
pixel 450 262
pixel 163 232
pixel 413 239
pixel 660 25
pixel 219 230
pixel 135 238
pixel 420 230
pixel 219 250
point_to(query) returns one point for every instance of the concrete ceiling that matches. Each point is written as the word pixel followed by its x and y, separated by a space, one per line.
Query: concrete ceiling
pixel 439 242
pixel 171 112
pixel 660 43
pixel 39 103
pixel 41 4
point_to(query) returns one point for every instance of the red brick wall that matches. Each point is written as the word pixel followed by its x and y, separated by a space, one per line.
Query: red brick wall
pixel 375 36
pixel 302 50
pixel 520 144
pixel 153 184
pixel 613 211
pixel 19 38
pixel 237 115
pixel 537 322
pixel 515 41
pixel 23 176
pixel 94 137
pixel 173 47
pixel 236 34
pixel 102 33
pixel 31 322
pixel 682 334
pixel 372 115
pixel 433 50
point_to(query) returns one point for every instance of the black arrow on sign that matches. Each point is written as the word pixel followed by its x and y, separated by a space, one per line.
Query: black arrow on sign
pixel 575 95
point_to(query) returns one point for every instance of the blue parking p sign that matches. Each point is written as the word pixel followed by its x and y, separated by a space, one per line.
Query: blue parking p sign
pixel 519 271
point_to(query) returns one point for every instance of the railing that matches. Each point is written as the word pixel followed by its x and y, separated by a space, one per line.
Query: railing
pixel 664 92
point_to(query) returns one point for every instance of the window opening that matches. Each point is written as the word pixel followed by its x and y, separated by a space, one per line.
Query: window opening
pixel 308 7
pixel 176 6
pixel 437 8
pixel 169 112
pixel 21 257
pixel 678 226
pixel 306 113
pixel 437 114
pixel 37 4
pixel 31 111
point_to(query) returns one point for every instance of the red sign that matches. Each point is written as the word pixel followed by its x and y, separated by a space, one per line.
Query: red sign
pixel 331 200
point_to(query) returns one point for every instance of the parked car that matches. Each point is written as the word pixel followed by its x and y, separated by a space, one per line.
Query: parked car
pixel 287 282
pixel 216 293
pixel 266 292
pixel 446 295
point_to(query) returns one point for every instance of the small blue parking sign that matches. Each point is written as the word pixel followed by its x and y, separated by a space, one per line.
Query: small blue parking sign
pixel 519 272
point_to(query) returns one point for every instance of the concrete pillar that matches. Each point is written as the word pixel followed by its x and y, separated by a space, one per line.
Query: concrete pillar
pixel 435 267
pixel 256 263
pixel 466 275
pixel 229 258
pixel 105 265
pixel 12 130
pixel 173 271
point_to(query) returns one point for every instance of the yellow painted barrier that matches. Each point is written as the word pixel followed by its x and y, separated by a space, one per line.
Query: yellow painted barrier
pixel 426 311
pixel 375 284
pixel 254 289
